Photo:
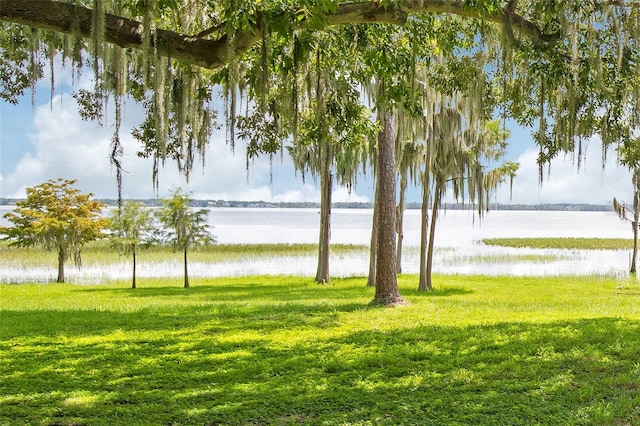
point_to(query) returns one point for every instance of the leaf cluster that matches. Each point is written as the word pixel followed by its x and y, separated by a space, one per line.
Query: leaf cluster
pixel 182 227
pixel 56 216
pixel 131 227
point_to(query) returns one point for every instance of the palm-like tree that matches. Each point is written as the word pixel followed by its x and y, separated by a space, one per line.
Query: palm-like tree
pixel 131 227
pixel 183 227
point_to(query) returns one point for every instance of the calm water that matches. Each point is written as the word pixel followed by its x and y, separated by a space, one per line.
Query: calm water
pixel 454 229
pixel 458 242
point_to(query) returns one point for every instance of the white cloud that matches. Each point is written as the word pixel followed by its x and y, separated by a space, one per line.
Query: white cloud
pixel 563 182
pixel 342 195
pixel 66 147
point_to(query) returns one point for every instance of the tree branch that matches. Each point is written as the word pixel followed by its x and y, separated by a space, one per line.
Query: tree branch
pixel 212 54
pixel 126 33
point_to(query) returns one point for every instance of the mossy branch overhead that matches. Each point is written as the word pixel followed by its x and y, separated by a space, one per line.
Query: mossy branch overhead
pixel 214 53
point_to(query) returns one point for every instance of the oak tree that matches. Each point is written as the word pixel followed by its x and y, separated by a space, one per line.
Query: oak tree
pixel 556 63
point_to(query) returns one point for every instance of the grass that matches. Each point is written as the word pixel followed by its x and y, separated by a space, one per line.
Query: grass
pixel 22 265
pixel 507 258
pixel 100 253
pixel 283 350
pixel 563 243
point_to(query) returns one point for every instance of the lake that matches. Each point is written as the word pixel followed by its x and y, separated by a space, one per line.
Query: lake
pixel 458 244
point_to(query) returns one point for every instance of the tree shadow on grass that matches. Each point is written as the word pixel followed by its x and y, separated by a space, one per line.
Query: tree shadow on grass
pixel 568 372
pixel 267 289
pixel 228 317
pixel 247 289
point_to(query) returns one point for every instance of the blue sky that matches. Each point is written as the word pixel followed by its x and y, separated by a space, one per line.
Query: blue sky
pixel 48 140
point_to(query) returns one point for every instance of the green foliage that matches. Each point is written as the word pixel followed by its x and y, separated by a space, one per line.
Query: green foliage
pixel 131 227
pixel 19 68
pixel 572 65
pixel 57 217
pixel 183 227
pixel 335 128
pixel 282 350
pixel 629 152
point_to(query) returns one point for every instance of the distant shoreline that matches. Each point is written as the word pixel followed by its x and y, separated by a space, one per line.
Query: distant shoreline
pixel 152 202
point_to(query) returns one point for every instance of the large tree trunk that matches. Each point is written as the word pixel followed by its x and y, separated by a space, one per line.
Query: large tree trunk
pixel 432 235
pixel 400 221
pixel 387 293
pixel 186 273
pixel 326 185
pixel 61 257
pixel 424 220
pixel 133 280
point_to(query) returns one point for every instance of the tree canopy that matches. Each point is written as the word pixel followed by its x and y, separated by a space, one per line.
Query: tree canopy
pixel 569 65
pixel 182 227
pixel 57 217
pixel 131 227
pixel 570 68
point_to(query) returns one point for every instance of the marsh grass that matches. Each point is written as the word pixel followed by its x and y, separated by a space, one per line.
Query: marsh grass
pixel 563 243
pixel 100 263
pixel 509 258
pixel 99 252
pixel 455 256
pixel 283 350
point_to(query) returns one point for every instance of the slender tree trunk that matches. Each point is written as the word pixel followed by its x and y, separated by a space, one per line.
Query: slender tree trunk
pixel 635 223
pixel 326 185
pixel 61 256
pixel 373 247
pixel 186 273
pixel 400 220
pixel 133 280
pixel 424 220
pixel 387 293
pixel 432 233
pixel 634 254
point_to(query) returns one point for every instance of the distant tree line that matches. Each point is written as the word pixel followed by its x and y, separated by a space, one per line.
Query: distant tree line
pixel 153 202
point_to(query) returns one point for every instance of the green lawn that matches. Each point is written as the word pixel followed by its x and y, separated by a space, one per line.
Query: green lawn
pixel 282 350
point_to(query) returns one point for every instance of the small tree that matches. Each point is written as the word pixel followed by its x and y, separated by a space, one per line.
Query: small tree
pixel 57 217
pixel 184 227
pixel 130 227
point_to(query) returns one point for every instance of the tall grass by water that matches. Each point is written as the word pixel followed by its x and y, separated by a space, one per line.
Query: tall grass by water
pixel 101 263
pixel 563 243
pixel 283 350
pixel 100 253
